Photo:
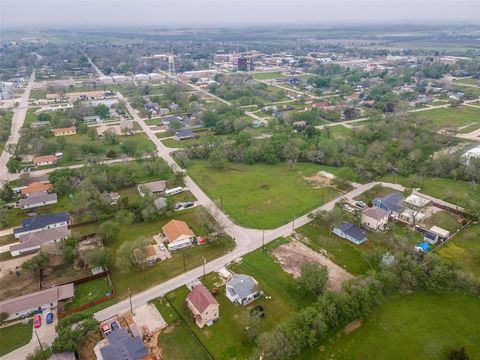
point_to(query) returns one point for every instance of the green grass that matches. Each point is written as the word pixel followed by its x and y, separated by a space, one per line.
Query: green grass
pixel 469 128
pixel 177 342
pixel 468 81
pixel 453 191
pixel 225 338
pixel 464 250
pixel 416 326
pixel 5 124
pixel 340 132
pixel 267 75
pixel 37 94
pixel 449 117
pixel 14 336
pixel 89 291
pixel 445 220
pixel 375 192
pixel 271 195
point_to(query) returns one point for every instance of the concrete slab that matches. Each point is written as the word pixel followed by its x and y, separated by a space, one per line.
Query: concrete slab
pixel 148 316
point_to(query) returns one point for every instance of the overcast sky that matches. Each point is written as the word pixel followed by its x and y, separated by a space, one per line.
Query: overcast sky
pixel 107 13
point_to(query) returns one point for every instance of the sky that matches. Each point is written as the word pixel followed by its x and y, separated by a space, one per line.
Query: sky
pixel 213 13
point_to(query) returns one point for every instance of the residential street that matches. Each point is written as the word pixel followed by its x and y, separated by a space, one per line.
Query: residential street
pixel 17 122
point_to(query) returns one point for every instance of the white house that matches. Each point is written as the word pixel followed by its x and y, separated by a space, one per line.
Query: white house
pixel 40 223
pixel 375 218
pixel 242 289
pixel 178 235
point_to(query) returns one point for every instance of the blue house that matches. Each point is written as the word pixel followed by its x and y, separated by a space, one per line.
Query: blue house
pixel 391 203
pixel 350 232
pixel 43 222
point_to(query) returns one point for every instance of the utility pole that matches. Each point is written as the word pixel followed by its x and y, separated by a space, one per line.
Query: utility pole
pixel 293 224
pixel 221 201
pixel 39 342
pixel 130 298
pixel 204 263
pixel 184 266
pixel 263 240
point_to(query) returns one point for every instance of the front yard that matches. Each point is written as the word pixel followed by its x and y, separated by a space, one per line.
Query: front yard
pixel 14 336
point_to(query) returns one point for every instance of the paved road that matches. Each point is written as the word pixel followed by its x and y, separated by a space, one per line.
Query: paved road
pixel 17 123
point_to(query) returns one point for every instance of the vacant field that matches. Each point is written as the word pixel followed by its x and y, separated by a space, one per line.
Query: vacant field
pixel 464 250
pixel 14 336
pixel 226 338
pixel 454 191
pixel 272 195
pixel 267 75
pixel 89 291
pixel 423 326
pixel 5 124
pixel 449 117
pixel 468 81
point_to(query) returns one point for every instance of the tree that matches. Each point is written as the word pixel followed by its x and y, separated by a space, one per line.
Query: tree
pixel 97 257
pixel 313 278
pixel 92 134
pixel 36 264
pixel 108 231
pixel 69 251
pixel 6 194
pixel 73 331
pixel 459 354
pixel 217 159
pixel 39 354
pixel 102 111
pixel 4 216
pixel 274 345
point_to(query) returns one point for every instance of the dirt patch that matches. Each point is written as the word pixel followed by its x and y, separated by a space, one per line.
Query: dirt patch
pixel 354 325
pixel 319 180
pixel 294 255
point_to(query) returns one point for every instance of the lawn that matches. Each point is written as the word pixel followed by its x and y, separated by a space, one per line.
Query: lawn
pixel 340 132
pixel 14 336
pixel 271 195
pixel 225 339
pixel 5 124
pixel 453 191
pixel 267 75
pixel 445 220
pixel 449 117
pixel 468 81
pixel 416 326
pixel 177 342
pixel 89 291
pixel 377 191
pixel 464 250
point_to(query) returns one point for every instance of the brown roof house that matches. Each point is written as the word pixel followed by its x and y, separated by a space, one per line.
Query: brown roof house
pixel 178 235
pixel 36 187
pixel 44 160
pixel 71 130
pixel 375 218
pixel 203 306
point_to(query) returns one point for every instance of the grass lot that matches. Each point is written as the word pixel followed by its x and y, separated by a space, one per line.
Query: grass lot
pixel 177 342
pixel 416 326
pixel 445 220
pixel 89 291
pixel 374 192
pixel 14 336
pixel 353 258
pixel 225 338
pixel 164 270
pixel 271 194
pixel 37 94
pixel 454 191
pixel 5 124
pixel 468 81
pixel 340 132
pixel 267 75
pixel 449 117
pixel 464 250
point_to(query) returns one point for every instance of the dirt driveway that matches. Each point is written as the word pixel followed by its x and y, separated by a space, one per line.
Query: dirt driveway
pixel 294 255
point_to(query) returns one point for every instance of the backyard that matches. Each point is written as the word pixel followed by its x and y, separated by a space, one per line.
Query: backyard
pixel 89 291
pixel 416 326
pixel 272 195
pixel 267 75
pixel 14 336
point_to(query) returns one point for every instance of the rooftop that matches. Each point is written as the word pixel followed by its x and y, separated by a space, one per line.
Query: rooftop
pixel 201 298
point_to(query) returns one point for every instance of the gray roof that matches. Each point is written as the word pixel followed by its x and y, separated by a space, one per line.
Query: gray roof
pixel 123 347
pixel 63 356
pixel 36 198
pixel 38 238
pixel 375 213
pixel 242 285
pixel 34 300
pixel 352 230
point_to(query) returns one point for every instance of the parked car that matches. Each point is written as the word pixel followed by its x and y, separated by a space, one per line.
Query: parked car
pixel 50 318
pixel 106 329
pixel 361 204
pixel 115 325
pixel 37 321
pixel 178 206
pixel 188 205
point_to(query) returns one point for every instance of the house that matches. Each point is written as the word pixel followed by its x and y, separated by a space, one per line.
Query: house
pixel 151 107
pixel 71 130
pixel 42 222
pixel 126 126
pixel 36 187
pixel 184 134
pixel 149 255
pixel 391 203
pixel 242 289
pixel 204 307
pixel 375 218
pixel 173 107
pixel 350 232
pixel 33 242
pixel 178 234
pixel 122 346
pixel 37 199
pixel 92 119
pixel 44 160
pixel 25 305
pixel 153 188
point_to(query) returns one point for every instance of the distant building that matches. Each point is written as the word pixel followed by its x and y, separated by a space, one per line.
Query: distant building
pixel 94 119
pixel 242 64
pixel 72 130
pixel 184 134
